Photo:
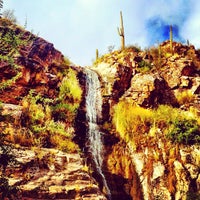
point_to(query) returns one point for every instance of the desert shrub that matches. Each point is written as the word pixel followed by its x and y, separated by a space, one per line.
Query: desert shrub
pixel 10 42
pixel 70 89
pixel 165 114
pixel 63 143
pixel 134 48
pixel 138 125
pixel 7 83
pixel 185 97
pixel 38 115
pixel 9 48
pixel 184 131
pixel 9 14
pixel 67 61
pixel 131 121
pixel 144 66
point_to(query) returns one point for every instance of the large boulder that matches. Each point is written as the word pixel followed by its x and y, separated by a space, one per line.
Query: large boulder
pixel 149 90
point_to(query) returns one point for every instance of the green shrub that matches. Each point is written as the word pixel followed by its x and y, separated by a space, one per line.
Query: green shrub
pixel 184 131
pixel 166 114
pixel 144 66
pixel 137 125
pixel 10 44
pixel 134 48
pixel 131 121
pixel 185 97
pixel 70 89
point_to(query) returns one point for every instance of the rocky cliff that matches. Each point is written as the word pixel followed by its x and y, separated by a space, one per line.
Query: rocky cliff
pixel 145 88
pixel 39 95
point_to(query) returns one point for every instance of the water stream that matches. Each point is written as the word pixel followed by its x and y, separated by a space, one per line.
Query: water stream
pixel 94 114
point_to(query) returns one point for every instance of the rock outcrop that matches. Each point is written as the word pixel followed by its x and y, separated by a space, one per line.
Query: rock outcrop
pixel 51 174
pixel 153 168
pixel 123 75
pixel 36 65
pixel 31 74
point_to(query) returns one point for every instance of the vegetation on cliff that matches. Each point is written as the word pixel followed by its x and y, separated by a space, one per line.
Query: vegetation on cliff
pixel 136 124
pixel 40 94
pixel 154 113
pixel 44 120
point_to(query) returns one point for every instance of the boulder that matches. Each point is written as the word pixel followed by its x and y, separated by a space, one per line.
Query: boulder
pixel 149 90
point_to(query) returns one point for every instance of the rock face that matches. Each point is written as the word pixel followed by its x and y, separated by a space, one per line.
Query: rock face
pixel 121 75
pixel 145 177
pixel 155 169
pixel 28 171
pixel 150 90
pixel 51 174
pixel 37 63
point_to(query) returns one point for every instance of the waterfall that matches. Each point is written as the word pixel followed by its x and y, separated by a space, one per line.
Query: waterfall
pixel 93 115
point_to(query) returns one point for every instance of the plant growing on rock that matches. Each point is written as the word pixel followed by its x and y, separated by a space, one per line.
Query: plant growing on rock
pixel 9 49
pixel 131 121
pixel 144 66
pixel 171 39
pixel 9 14
pixel 185 131
pixel 38 117
pixel 185 97
pixel 70 89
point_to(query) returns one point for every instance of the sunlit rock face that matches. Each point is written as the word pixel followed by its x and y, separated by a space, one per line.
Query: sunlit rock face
pixel 151 169
pixel 51 174
pixel 123 75
pixel 27 170
pixel 38 63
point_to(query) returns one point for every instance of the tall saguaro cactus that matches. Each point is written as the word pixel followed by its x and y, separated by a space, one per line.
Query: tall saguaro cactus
pixel 171 38
pixel 121 31
pixel 97 54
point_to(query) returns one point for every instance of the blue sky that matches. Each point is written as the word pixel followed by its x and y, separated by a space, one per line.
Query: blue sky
pixel 78 27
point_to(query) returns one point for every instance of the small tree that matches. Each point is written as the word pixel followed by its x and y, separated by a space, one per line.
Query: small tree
pixel 111 48
pixel 9 14
pixel 1 5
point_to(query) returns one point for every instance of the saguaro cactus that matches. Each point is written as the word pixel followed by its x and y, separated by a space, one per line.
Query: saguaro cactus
pixel 121 31
pixel 97 54
pixel 171 38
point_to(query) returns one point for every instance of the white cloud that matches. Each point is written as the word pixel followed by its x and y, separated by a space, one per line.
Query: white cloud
pixel 191 28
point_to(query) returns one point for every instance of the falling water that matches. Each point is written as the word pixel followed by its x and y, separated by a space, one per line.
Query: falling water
pixel 93 114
